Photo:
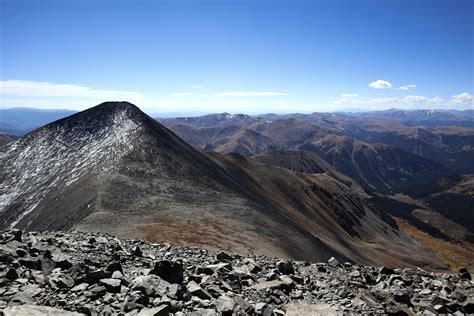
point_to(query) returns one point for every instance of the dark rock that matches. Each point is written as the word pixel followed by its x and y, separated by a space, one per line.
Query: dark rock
pixel 61 261
pixel 11 274
pixel 402 296
pixel 114 266
pixel 464 274
pixel 285 267
pixel 468 306
pixel 440 309
pixel 17 234
pixel 395 309
pixel 34 264
pixel 21 252
pixel 223 256
pixel 97 275
pixel 386 271
pixel 169 271
pixel 136 251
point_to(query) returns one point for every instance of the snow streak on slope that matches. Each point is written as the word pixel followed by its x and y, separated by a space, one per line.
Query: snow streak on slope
pixel 68 152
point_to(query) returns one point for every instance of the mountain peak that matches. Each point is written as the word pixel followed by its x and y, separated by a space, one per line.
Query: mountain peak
pixel 116 105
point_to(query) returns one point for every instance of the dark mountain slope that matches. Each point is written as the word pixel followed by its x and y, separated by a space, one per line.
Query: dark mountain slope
pixel 228 139
pixel 5 138
pixel 452 146
pixel 114 169
pixel 375 166
pixel 296 160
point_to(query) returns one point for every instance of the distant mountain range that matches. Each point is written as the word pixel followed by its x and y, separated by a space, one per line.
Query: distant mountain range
pixel 18 121
pixel 305 186
pixel 385 156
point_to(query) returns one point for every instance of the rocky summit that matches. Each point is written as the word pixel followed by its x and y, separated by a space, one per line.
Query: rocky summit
pixel 56 273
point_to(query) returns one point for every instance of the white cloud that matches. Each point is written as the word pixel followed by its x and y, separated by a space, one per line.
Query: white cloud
pixel 380 84
pixel 415 99
pixel 406 87
pixel 249 94
pixel 198 87
pixel 46 89
pixel 464 99
pixel 349 95
pixel 182 94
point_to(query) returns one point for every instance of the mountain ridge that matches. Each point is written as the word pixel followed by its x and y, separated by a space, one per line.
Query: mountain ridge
pixel 113 168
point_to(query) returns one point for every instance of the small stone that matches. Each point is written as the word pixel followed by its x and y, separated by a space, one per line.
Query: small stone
pixel 267 285
pixel 61 261
pixel 333 262
pixel 37 310
pixel 225 305
pixel 149 284
pixel 80 287
pixel 161 310
pixel 136 299
pixel 111 285
pixel 197 290
pixel 97 291
pixel 117 275
pixel 425 292
pixel 440 309
pixel 60 281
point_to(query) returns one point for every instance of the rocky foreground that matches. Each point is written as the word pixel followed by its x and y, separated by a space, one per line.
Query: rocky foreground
pixel 86 273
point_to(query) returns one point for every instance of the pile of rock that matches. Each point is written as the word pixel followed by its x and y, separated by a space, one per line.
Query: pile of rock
pixel 86 273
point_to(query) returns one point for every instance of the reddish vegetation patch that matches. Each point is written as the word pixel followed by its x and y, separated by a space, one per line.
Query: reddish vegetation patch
pixel 447 226
pixel 454 255
pixel 209 232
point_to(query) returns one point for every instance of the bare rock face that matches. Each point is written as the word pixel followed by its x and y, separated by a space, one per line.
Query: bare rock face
pixel 104 275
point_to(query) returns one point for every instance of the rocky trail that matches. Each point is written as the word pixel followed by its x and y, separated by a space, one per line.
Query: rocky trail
pixel 56 273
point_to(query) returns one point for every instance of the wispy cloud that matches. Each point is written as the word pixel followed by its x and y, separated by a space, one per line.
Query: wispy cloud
pixel 198 87
pixel 24 88
pixel 349 95
pixel 464 100
pixel 249 94
pixel 380 84
pixel 181 94
pixel 406 87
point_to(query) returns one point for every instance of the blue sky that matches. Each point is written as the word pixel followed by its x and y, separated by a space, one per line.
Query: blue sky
pixel 238 56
